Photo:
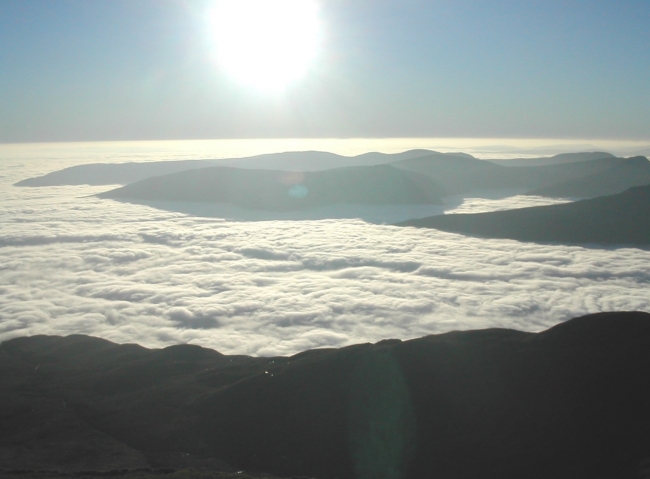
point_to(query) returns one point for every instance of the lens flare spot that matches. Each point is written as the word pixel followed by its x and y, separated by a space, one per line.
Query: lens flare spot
pixel 298 191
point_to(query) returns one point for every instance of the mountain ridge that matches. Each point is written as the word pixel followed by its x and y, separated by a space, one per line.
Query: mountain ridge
pixel 629 173
pixel 125 173
pixel 619 219
pixel 285 190
pixel 561 158
pixel 465 175
pixel 568 402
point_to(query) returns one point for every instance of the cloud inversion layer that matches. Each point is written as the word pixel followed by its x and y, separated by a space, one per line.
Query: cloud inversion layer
pixel 72 263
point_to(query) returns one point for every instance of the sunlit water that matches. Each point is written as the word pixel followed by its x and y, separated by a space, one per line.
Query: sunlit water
pixel 72 263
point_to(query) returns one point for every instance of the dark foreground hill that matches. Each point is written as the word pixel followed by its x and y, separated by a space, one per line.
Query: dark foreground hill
pixel 620 219
pixel 139 473
pixel 568 403
pixel 282 190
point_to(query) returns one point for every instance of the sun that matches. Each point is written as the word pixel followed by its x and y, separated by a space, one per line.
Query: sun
pixel 267 44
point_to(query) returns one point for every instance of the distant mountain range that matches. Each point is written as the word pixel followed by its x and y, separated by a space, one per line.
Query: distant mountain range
pixel 610 220
pixel 462 176
pixel 459 171
pixel 281 190
pixel 608 181
pixel 396 187
pixel 567 403
pixel 420 180
pixel 562 158
pixel 125 173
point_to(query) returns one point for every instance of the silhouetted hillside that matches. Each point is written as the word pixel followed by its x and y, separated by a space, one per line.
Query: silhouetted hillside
pixel 562 158
pixel 320 161
pixel 617 219
pixel 567 403
pixel 125 173
pixel 281 190
pixel 139 473
pixel 464 175
pixel 447 174
pixel 627 174
pixel 113 173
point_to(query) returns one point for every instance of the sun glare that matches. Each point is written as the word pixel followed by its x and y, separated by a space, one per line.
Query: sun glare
pixel 266 43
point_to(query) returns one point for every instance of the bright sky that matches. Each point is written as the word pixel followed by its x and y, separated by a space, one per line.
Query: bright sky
pixel 172 69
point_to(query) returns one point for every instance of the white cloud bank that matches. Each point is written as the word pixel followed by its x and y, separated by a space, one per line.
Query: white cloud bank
pixel 70 263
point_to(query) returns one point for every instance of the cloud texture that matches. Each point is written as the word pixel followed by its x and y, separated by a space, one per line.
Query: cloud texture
pixel 72 263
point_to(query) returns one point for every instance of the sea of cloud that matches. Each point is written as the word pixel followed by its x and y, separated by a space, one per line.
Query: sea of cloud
pixel 72 263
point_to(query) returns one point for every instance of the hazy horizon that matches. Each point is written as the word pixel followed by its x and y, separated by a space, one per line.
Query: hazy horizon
pixel 483 148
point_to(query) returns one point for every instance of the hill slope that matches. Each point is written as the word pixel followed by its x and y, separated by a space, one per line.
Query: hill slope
pixel 453 174
pixel 570 402
pixel 460 176
pixel 562 158
pixel 617 219
pixel 627 174
pixel 281 190
pixel 125 173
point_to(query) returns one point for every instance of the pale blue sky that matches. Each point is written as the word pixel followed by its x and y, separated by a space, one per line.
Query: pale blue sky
pixel 145 69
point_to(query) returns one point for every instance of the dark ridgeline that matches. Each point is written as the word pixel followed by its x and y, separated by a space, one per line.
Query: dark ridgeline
pixel 620 219
pixel 568 403
pixel 282 190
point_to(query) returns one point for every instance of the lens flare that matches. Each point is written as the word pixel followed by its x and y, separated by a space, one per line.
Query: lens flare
pixel 298 191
